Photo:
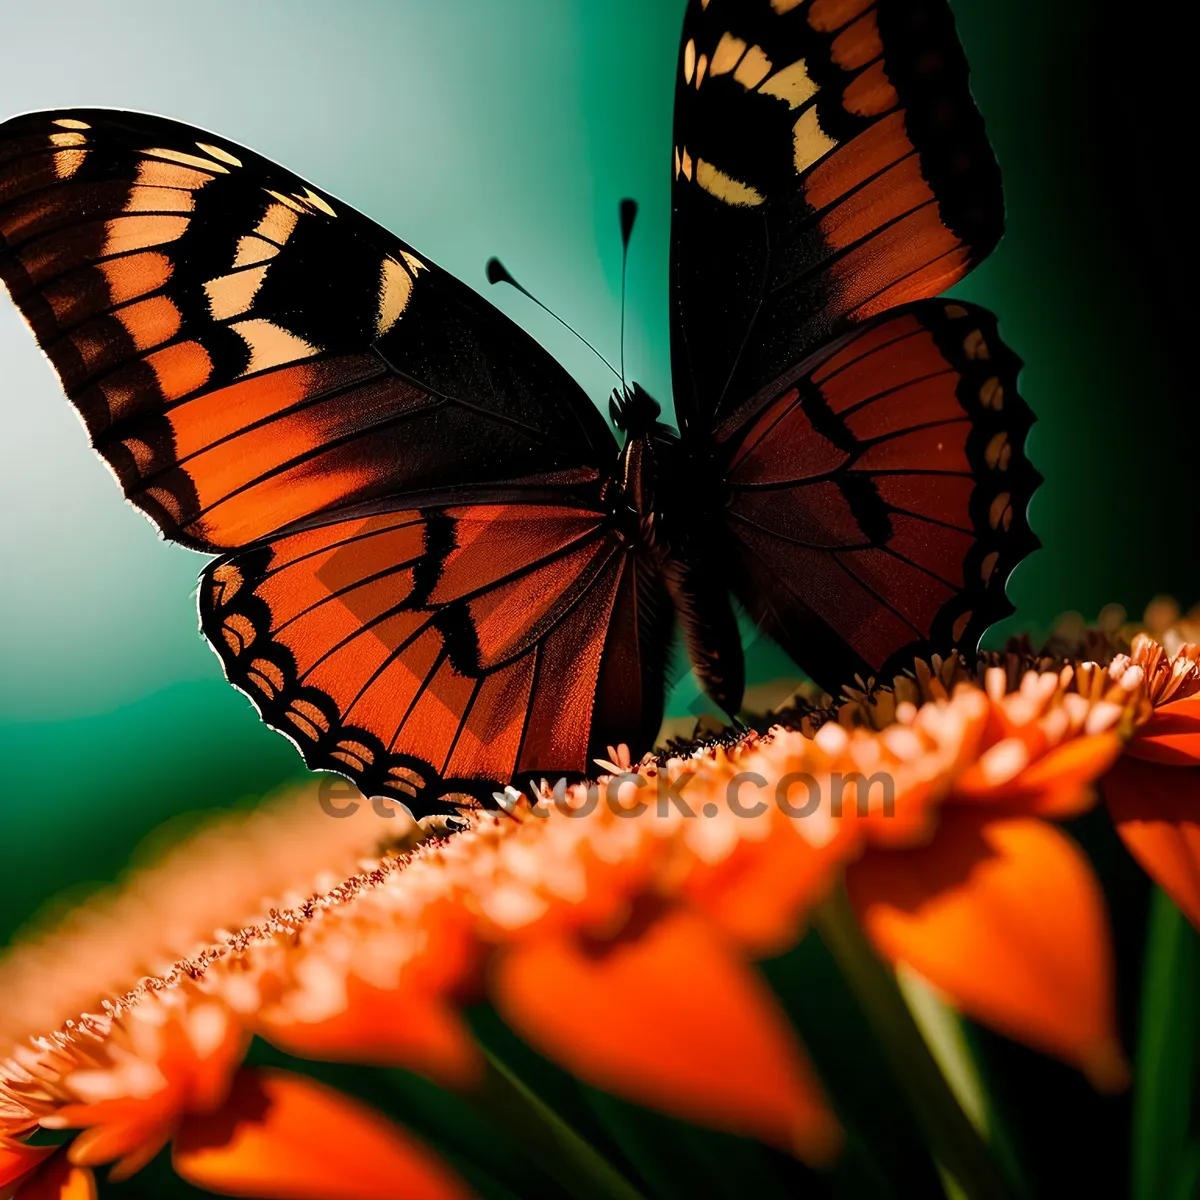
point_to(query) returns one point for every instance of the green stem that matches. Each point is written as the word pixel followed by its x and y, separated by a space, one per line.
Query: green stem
pixel 1168 1033
pixel 952 1138
pixel 558 1149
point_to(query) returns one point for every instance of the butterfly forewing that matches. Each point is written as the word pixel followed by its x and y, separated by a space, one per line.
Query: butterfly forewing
pixel 829 164
pixel 246 350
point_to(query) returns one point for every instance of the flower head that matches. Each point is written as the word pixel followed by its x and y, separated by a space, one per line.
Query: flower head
pixel 159 1059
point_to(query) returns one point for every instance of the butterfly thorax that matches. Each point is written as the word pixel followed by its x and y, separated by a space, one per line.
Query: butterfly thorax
pixel 647 440
pixel 665 497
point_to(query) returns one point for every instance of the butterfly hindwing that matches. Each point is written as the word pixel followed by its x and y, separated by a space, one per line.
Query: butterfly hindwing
pixel 829 164
pixel 436 653
pixel 878 501
pixel 246 350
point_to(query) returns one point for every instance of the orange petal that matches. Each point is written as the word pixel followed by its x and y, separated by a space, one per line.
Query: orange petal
pixel 1058 783
pixel 670 1018
pixel 760 895
pixel 1005 917
pixel 103 1143
pixel 1172 735
pixel 1061 782
pixel 287 1137
pixel 1156 809
pixel 18 1159
pixel 385 1028
pixel 60 1179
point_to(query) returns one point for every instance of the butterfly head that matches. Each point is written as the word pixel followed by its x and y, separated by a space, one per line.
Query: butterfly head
pixel 633 410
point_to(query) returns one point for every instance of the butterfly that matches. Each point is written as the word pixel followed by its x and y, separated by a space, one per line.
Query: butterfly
pixel 437 570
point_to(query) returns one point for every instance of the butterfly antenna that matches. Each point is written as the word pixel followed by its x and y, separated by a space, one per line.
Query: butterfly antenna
pixel 629 211
pixel 497 272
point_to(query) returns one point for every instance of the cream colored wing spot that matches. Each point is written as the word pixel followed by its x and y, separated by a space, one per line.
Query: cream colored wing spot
pixel 308 718
pixel 227 581
pixel 71 123
pixel 278 222
pixel 219 154
pixel 414 263
pixel 727 54
pixel 810 143
pixel 67 162
pixel 998 452
pixel 395 290
pixel 290 201
pixel 408 781
pixel 726 189
pixel 309 202
pixel 314 201
pixel 238 631
pixel 791 83
pixel 974 346
pixel 156 199
pixel 689 60
pixel 1001 511
pixel 676 162
pixel 232 295
pixel 685 163
pixel 153 173
pixel 68 139
pixel 701 67
pixel 354 754
pixel 271 346
pixel 123 234
pixel 171 506
pixel 188 160
pixel 143 455
pixel 252 249
pixel 266 676
pixel 753 69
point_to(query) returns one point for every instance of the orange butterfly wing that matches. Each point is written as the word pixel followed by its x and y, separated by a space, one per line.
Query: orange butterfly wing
pixel 878 502
pixel 829 165
pixel 435 653
pixel 247 351
pixel 265 370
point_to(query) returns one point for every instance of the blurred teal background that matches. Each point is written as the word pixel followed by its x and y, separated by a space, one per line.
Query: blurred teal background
pixel 473 128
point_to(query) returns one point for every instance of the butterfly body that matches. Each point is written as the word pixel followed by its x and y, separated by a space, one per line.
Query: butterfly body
pixel 436 569
pixel 676 495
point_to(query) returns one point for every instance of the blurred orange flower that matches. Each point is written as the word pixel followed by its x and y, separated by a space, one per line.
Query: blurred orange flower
pixel 42 1173
pixel 1153 793
pixel 614 925
pixel 162 1062
pixel 996 908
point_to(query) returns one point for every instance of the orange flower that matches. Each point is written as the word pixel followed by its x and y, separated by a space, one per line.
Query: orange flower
pixel 162 1062
pixel 1153 793
pixel 993 906
pixel 613 939
pixel 614 925
pixel 42 1173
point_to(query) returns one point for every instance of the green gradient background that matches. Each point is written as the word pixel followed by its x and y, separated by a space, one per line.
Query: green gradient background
pixel 475 128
